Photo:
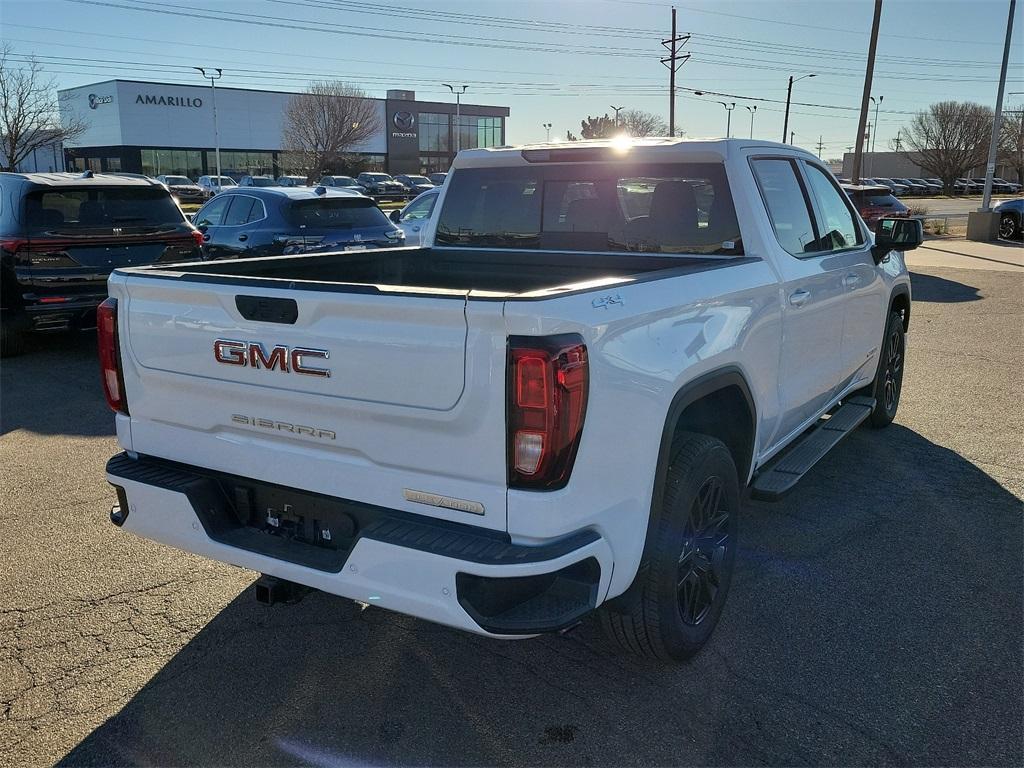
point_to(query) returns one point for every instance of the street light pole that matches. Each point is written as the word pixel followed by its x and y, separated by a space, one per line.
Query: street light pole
pixel 617 110
pixel 547 127
pixel 752 110
pixel 458 112
pixel 728 119
pixel 990 168
pixel 789 96
pixel 213 78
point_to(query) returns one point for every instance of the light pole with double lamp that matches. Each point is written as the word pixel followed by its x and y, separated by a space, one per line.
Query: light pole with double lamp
pixel 547 127
pixel 458 111
pixel 789 95
pixel 617 110
pixel 728 119
pixel 752 110
pixel 213 76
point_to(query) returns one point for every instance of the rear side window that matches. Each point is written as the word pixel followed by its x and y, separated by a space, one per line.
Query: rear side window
pixel 838 228
pixel 336 213
pixel 787 206
pixel 243 210
pixel 129 209
pixel 620 207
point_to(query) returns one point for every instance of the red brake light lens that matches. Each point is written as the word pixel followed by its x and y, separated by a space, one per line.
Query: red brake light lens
pixel 197 237
pixel 110 356
pixel 548 381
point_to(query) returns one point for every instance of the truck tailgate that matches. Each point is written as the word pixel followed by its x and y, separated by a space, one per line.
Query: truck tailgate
pixel 410 416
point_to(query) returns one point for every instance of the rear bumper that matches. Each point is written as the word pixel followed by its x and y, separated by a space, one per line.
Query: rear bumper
pixel 77 312
pixel 455 574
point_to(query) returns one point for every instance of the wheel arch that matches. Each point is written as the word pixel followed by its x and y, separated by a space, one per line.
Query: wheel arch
pixel 899 301
pixel 719 404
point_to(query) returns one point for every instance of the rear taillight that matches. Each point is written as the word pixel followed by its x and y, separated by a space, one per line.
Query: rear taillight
pixel 548 379
pixel 110 356
pixel 197 237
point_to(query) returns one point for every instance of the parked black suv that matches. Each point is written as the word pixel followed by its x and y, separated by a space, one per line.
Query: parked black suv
pixel 62 234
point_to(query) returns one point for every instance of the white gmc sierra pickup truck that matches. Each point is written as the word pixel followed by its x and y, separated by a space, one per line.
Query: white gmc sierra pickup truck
pixel 557 405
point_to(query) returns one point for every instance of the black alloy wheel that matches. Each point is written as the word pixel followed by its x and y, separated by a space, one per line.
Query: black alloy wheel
pixel 705 540
pixel 1008 227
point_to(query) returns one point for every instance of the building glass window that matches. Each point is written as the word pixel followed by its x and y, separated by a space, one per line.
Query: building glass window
pixel 172 162
pixel 433 132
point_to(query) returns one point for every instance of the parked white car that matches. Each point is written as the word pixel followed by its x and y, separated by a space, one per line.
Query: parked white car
pixel 211 185
pixel 553 407
pixel 414 218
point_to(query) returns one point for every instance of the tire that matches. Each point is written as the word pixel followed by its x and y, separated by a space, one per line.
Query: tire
pixel 12 339
pixel 1009 229
pixel 682 585
pixel 888 381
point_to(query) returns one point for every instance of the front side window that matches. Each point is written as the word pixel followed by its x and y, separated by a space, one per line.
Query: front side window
pixel 837 225
pixel 420 208
pixel 787 206
pixel 212 214
pixel 684 208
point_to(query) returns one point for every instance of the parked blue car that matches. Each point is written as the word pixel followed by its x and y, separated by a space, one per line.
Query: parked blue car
pixel 1011 219
pixel 245 222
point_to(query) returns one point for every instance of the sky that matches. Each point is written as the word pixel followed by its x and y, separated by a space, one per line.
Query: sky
pixel 555 61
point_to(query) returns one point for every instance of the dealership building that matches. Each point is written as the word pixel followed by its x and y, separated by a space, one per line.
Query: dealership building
pixel 162 128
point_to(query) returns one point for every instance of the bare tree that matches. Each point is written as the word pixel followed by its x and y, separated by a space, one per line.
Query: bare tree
pixel 325 123
pixel 636 122
pixel 1011 140
pixel 949 139
pixel 29 114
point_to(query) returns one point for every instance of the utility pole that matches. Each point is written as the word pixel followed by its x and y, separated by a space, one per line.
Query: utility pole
pixel 792 134
pixel 752 110
pixel 213 78
pixel 617 110
pixel 458 112
pixel 899 140
pixel 990 168
pixel 674 61
pixel 868 75
pixel 820 147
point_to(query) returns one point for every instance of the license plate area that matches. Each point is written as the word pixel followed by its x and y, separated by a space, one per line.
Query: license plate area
pixel 296 526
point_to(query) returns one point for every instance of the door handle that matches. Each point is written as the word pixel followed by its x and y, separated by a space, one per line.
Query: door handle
pixel 799 298
pixel 851 280
pixel 243 237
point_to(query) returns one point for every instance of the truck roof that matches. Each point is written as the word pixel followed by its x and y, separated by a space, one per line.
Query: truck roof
pixel 651 149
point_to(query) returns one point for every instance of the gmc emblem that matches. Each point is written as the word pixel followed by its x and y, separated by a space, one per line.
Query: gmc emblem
pixel 281 358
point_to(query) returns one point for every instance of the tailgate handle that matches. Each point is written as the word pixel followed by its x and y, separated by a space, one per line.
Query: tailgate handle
pixel 266 309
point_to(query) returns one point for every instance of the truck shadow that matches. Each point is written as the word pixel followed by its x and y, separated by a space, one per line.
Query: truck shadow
pixel 938 289
pixel 855 620
pixel 54 388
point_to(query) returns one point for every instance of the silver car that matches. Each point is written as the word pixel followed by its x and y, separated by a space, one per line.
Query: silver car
pixel 413 219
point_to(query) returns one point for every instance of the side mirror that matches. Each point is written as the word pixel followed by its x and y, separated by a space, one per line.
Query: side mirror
pixel 896 234
pixel 395 215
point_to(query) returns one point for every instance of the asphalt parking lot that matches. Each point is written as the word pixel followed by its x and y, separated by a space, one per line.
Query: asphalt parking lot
pixel 875 618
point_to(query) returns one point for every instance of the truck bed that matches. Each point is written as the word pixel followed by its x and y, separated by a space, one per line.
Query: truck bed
pixel 486 273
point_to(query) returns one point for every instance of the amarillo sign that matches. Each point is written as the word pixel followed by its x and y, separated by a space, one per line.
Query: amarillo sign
pixel 168 101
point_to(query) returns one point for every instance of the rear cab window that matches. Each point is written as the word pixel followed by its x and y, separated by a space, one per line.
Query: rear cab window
pixel 86 210
pixel 669 208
